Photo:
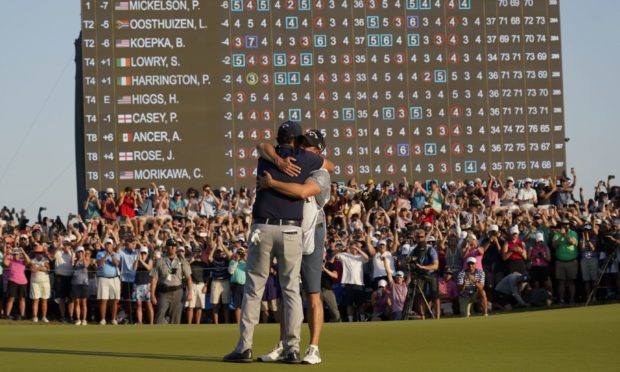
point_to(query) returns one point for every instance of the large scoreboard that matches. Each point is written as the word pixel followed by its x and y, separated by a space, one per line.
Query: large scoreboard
pixel 180 92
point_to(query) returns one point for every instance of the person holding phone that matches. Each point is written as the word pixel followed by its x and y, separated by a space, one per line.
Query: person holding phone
pixel 15 261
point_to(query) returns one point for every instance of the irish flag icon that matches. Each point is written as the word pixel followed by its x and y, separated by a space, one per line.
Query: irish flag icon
pixel 123 81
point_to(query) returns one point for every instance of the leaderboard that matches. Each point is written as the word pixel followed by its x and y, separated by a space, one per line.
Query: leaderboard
pixel 180 92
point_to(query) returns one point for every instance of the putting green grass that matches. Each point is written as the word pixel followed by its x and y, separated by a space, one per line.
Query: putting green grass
pixel 573 339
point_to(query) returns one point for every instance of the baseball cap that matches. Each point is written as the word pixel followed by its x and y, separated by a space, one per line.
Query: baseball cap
pixel 382 283
pixel 494 228
pixel 463 234
pixel 109 190
pixel 161 188
pixel 471 237
pixel 66 239
pixel 514 229
pixel 314 138
pixel 223 189
pixel 39 249
pixel 92 191
pixel 528 180
pixel 448 271
pixel 108 241
pixel 181 249
pixel 370 181
pixel 431 238
pixel 472 260
pixel 171 243
pixel 540 237
pixel 23 236
pixel 511 179
pixel 523 278
pixel 79 249
pixel 144 250
pixel 178 193
pixel 289 129
pixel 382 242
pixel 399 273
pixel 241 238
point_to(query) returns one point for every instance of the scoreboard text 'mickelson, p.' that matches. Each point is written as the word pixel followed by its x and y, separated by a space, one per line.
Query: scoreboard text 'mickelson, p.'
pixel 180 92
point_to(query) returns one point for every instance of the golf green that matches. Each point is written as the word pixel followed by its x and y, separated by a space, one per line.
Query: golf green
pixel 572 339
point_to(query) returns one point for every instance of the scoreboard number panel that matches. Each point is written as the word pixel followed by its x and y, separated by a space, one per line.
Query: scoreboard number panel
pixel 180 92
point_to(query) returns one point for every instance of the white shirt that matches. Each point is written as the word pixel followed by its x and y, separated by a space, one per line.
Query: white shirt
pixel 378 267
pixel 62 263
pixel 527 197
pixel 352 268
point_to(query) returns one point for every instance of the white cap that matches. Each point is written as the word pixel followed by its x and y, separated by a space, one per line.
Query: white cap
pixel 463 235
pixel 382 242
pixel 92 191
pixel 514 230
pixel 240 237
pixel 202 234
pixel 72 238
pixel 144 250
pixel 540 237
pixel 382 283
pixel 510 179
pixel 181 248
pixel 472 260
pixel 431 238
pixel 161 188
pixel 79 249
pixel 109 190
pixel 377 233
pixel 528 180
pixel 23 236
pixel 240 249
pixel 108 241
pixel 223 189
pixel 471 237
pixel 493 228
pixel 399 273
pixel 405 249
pixel 66 239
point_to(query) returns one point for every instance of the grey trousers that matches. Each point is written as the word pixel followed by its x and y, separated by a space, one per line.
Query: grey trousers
pixel 284 243
pixel 169 302
pixel 329 298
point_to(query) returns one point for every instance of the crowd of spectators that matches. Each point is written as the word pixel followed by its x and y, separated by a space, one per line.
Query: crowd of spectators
pixel 394 250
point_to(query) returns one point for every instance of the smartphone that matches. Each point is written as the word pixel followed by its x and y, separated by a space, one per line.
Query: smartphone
pixel 611 177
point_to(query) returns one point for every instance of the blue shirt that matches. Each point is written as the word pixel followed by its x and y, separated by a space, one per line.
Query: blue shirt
pixel 108 270
pixel 419 199
pixel 272 204
pixel 128 274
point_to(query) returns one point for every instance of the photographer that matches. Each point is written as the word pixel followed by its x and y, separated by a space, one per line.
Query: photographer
pixel 167 285
pixel 92 206
pixel 353 278
pixel 565 244
pixel 15 261
pixel 236 269
pixel 514 252
pixel 588 245
pixel 471 287
pixel 423 266
pixel 492 261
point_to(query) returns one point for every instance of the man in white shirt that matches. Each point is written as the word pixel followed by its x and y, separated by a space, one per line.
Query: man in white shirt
pixel 353 278
pixel 527 196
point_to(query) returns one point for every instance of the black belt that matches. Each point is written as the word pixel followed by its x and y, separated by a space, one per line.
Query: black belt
pixel 277 222
pixel 165 288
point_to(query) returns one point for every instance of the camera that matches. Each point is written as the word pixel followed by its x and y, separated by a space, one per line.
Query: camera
pixel 72 216
pixel 173 271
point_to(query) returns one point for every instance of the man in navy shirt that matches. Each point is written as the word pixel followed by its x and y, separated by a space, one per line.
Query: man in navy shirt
pixel 276 232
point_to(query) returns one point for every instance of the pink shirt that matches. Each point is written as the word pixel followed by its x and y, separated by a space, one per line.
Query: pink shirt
pixel 16 271
pixel 473 253
pixel 398 293
pixel 448 289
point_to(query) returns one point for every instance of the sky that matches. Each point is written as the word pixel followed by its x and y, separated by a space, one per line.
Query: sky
pixel 37 77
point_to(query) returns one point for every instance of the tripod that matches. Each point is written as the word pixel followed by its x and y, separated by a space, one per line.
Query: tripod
pixel 414 289
pixel 610 259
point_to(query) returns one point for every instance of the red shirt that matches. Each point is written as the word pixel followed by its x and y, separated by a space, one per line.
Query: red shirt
pixel 515 255
pixel 128 207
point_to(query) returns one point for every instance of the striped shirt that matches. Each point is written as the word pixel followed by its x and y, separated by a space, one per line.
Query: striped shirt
pixel 470 288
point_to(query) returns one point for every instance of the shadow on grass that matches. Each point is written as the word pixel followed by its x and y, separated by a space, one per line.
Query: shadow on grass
pixel 110 354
